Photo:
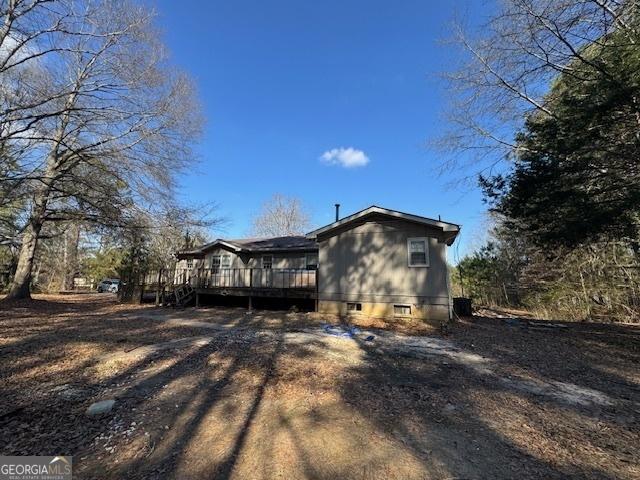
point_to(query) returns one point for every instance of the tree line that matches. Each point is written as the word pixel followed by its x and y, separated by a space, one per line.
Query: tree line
pixel 95 126
pixel 547 111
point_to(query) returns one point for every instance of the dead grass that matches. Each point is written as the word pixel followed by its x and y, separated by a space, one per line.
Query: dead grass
pixel 217 393
pixel 283 320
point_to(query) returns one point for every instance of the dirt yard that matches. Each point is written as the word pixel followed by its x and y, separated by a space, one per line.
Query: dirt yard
pixel 220 393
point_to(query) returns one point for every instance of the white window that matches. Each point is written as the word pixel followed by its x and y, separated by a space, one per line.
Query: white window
pixel 226 261
pixel 402 310
pixel 418 250
pixel 311 261
pixel 215 263
pixel 190 263
pixel 267 261
pixel 354 307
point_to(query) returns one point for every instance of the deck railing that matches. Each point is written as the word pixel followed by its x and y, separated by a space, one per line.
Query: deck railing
pixel 283 278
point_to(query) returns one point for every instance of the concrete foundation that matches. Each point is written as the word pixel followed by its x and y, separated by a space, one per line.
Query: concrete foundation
pixel 432 314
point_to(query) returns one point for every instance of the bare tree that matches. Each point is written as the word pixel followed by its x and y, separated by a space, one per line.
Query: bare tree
pixel 70 257
pixel 167 232
pixel 281 216
pixel 510 64
pixel 36 37
pixel 116 125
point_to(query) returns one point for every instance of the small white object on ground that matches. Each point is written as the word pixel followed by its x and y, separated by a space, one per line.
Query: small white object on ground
pixel 100 408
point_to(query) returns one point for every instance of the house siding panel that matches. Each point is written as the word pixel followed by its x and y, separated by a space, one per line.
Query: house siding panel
pixel 369 264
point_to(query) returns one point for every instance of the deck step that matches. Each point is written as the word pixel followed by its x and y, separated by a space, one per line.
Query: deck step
pixel 184 294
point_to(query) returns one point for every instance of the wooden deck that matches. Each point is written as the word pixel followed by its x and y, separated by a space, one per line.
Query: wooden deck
pixel 259 292
pixel 251 282
pixel 239 282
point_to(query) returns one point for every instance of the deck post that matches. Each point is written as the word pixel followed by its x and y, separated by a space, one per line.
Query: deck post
pixel 158 287
pixel 250 306
pixel 317 289
pixel 141 297
pixel 197 300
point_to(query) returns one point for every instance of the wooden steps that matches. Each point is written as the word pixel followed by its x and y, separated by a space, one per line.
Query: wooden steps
pixel 184 295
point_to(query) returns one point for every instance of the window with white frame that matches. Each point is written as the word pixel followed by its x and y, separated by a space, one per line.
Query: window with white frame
pixel 311 260
pixel 354 307
pixel 418 249
pixel 215 263
pixel 225 261
pixel 402 310
pixel 267 261
pixel 189 262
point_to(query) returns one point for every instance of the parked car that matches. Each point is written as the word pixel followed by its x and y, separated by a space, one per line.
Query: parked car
pixel 109 285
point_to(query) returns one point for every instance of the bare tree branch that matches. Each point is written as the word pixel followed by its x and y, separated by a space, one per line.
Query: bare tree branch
pixel 281 216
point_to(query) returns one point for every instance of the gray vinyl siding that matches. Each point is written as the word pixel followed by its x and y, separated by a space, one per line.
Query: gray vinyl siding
pixel 294 260
pixel 369 263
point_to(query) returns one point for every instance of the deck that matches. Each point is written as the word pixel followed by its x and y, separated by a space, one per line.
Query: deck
pixel 251 282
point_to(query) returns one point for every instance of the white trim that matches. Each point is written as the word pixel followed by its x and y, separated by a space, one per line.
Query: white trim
pixel 219 241
pixel 402 305
pixel 225 255
pixel 425 240
pixel 262 261
pixel 219 266
pixel 355 309
pixel 306 259
pixel 233 247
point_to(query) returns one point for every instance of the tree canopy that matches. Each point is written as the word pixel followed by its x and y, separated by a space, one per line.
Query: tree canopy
pixel 95 122
pixel 550 97
pixel 280 216
pixel 576 176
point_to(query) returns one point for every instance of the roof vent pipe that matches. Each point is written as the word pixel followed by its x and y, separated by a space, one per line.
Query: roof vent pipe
pixel 337 212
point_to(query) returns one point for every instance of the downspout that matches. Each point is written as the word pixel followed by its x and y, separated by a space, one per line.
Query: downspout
pixel 448 281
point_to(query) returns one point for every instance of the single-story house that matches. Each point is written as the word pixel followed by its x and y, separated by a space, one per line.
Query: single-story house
pixel 376 262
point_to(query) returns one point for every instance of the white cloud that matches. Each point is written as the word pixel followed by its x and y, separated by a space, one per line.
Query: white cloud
pixel 345 157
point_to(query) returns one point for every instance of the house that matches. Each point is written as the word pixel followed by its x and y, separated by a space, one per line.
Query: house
pixel 376 262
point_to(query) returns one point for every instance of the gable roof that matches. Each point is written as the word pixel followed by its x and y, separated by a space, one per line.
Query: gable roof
pixel 451 229
pixel 294 243
pixel 307 243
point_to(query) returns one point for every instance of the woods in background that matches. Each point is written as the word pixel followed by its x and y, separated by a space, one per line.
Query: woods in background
pixel 95 126
pixel 553 89
pixel 599 281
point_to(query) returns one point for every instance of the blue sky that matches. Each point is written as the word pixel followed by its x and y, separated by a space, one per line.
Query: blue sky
pixel 283 82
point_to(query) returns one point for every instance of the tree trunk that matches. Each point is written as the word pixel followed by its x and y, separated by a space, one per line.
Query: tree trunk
pixel 20 287
pixel 71 242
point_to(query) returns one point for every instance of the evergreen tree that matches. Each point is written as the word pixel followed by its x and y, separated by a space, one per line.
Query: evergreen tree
pixel 577 173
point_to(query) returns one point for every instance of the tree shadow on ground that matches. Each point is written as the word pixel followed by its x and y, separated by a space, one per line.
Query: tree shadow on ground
pixel 247 405
pixel 439 409
pixel 597 356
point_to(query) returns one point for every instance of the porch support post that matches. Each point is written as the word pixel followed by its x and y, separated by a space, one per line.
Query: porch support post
pixel 317 290
pixel 141 296
pixel 158 287
pixel 197 300
pixel 250 306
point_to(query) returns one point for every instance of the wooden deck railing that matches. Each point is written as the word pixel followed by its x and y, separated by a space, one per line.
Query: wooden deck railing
pixel 247 278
